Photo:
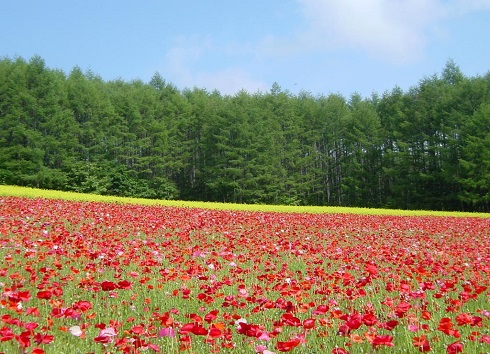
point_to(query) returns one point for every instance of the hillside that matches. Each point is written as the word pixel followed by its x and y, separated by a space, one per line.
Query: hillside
pixel 427 148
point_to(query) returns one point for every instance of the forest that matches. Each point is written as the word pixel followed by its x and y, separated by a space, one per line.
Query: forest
pixel 424 148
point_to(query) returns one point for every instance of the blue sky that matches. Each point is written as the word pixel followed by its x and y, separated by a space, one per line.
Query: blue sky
pixel 319 46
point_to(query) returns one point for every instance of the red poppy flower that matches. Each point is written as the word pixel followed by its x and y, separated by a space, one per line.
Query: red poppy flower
pixel 321 310
pixel 6 334
pixel 453 348
pixel 309 323
pixel 421 343
pixel 199 330
pixel 288 346
pixel 124 284
pixel 211 316
pixel 215 333
pixel 108 285
pixel 46 294
pixel 382 341
pixel 102 339
pixel 354 321
pixel 83 306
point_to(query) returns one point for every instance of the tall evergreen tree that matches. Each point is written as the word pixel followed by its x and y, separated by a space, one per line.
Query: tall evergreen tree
pixel 424 148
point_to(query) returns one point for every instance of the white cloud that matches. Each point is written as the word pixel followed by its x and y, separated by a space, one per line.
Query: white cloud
pixel 396 31
pixel 184 68
pixel 390 31
pixel 182 56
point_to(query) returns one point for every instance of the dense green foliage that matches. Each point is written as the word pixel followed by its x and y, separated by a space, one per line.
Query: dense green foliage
pixel 428 148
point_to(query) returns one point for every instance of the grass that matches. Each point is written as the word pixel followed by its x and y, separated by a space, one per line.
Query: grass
pixel 52 194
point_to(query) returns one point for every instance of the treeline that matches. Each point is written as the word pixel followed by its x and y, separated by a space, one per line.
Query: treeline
pixel 427 148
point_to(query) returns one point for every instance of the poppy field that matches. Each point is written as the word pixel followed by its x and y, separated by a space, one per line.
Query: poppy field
pixel 94 277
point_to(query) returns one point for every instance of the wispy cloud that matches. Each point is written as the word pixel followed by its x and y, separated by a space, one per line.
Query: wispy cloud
pixel 182 56
pixel 396 31
pixel 183 65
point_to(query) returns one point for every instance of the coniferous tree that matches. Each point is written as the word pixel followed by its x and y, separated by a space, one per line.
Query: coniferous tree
pixel 424 148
